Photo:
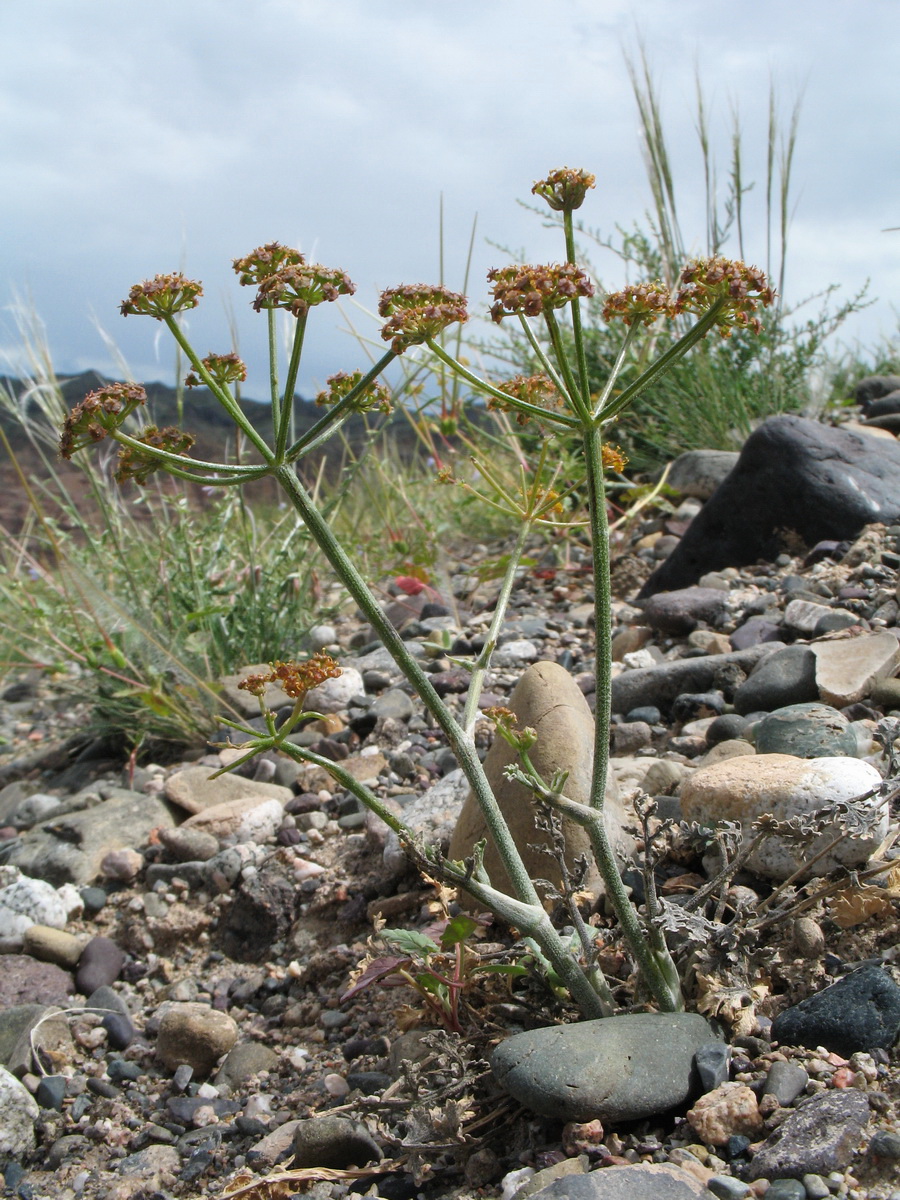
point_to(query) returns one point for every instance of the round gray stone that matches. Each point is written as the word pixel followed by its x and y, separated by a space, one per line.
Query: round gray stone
pixel 616 1069
pixel 333 1142
pixel 806 731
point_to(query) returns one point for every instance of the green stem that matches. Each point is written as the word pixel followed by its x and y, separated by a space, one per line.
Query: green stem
pixel 289 385
pixel 665 361
pixel 274 396
pixel 559 350
pixel 593 457
pixel 630 336
pixel 532 409
pixel 577 331
pixel 167 458
pixel 547 366
pixel 484 658
pixel 222 394
pixel 340 410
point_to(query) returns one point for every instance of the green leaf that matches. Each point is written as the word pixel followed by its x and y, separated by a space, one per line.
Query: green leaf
pixel 511 969
pixel 458 929
pixel 410 941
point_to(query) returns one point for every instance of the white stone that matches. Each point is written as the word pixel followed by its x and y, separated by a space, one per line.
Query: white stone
pixel 18 1113
pixel 804 615
pixel 237 821
pixel 746 788
pixel 24 903
pixel 515 653
pixel 335 694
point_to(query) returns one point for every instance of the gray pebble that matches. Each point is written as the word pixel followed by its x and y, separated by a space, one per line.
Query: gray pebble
pixel 333 1142
pixel 101 963
pixel 51 1091
pixel 785 1082
pixel 786 1189
pixel 712 1062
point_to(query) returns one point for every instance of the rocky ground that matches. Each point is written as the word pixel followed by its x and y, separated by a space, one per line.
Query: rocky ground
pixel 177 950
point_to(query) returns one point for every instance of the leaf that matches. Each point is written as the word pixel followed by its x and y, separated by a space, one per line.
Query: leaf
pixel 513 969
pixel 458 929
pixel 853 906
pixel 410 941
pixel 378 968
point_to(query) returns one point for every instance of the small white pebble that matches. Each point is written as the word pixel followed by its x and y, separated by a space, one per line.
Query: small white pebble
pixel 208 1091
pixel 298 1058
pixel 304 869
pixel 203 1116
pixel 336 1085
pixel 511 1183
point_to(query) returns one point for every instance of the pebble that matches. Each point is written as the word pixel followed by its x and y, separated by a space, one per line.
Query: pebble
pixel 786 676
pixel 643 1181
pixel 100 964
pixel 848 668
pixel 18 1113
pixel 712 1062
pixel 51 1091
pixel 53 945
pixel 806 731
pixel 679 612
pixel 25 902
pixel 336 1142
pixel 194 1034
pixel 786 1189
pixel 731 1110
pixel 821 1136
pixel 25 980
pixel 785 1081
pixel 242 1062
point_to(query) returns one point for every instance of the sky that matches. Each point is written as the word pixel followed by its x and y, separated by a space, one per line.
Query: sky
pixel 146 138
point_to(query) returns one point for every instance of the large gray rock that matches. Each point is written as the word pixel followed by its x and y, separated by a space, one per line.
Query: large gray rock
pixel 818 1138
pixel 616 1069
pixel 660 685
pixel 548 700
pixel 806 731
pixel 643 1181
pixel 788 676
pixel 793 474
pixel 70 849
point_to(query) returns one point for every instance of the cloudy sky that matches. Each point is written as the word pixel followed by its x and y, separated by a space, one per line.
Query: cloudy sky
pixel 142 138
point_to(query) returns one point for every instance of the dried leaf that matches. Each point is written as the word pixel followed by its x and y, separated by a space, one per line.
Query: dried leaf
pixel 853 906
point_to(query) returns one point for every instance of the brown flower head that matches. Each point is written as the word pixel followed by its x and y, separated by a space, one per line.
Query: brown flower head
pixel 138 466
pixel 564 189
pixel 375 396
pixel 417 312
pixel 708 280
pixel 298 288
pixel 643 302
pixel 533 290
pixel 264 261
pixel 613 458
pixel 162 296
pixel 538 390
pixel 295 679
pixel 506 722
pixel 98 414
pixel 224 368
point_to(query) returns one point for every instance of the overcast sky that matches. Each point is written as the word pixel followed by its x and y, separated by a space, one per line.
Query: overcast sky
pixel 147 137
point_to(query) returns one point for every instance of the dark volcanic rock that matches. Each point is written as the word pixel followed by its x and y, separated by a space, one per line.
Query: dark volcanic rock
pixel 792 474
pixel 859 1012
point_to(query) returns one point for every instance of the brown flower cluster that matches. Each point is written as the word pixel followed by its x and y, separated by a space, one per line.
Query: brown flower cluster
pixel 133 464
pixel 535 289
pixel 375 396
pixel 295 679
pixel 98 414
pixel 538 390
pixel 418 312
pixel 613 458
pixel 264 261
pixel 708 280
pixel 298 288
pixel 224 368
pixel 162 296
pixel 643 302
pixel 507 725
pixel 564 189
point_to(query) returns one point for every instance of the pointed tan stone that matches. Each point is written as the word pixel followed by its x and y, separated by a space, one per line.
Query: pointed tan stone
pixel 547 699
pixel 848 668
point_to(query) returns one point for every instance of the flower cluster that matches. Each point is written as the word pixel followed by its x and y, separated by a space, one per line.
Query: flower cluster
pixel 264 261
pixel 538 390
pixel 295 679
pixel 162 296
pixel 418 312
pixel 506 722
pixel 535 289
pixel 708 280
pixel 643 303
pixel 299 287
pixel 613 458
pixel 98 414
pixel 564 189
pixel 136 465
pixel 224 368
pixel 375 396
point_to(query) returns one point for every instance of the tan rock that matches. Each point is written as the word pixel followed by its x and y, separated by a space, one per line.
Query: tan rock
pixel 729 1111
pixel 547 699
pixel 629 639
pixel 848 668
pixel 193 790
pixel 54 945
pixel 195 1034
pixel 751 786
pixel 722 751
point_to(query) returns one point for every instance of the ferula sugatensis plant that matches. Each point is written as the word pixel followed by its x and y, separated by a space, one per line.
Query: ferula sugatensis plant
pixel 719 293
